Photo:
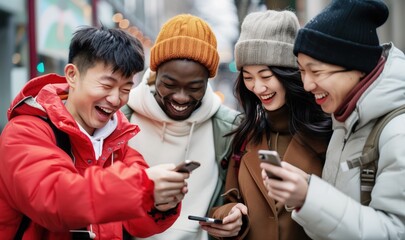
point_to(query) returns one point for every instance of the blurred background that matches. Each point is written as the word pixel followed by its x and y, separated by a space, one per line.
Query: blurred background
pixel 36 33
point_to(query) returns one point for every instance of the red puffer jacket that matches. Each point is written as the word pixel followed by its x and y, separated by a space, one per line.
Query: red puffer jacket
pixel 41 181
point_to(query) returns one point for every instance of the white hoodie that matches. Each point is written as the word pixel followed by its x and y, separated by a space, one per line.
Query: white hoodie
pixel 164 140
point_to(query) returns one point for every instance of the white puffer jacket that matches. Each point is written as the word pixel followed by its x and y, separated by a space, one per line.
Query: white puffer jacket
pixel 332 209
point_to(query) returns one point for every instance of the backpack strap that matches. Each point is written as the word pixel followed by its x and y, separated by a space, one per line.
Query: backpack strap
pixel 127 111
pixel 368 161
pixel 238 156
pixel 62 139
pixel 63 142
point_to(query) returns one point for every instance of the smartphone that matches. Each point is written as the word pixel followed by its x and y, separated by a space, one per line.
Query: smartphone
pixel 271 157
pixel 187 166
pixel 205 219
pixel 82 234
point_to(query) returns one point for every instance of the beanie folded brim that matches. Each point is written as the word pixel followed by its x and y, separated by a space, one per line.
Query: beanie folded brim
pixel 337 51
pixel 264 52
pixel 184 47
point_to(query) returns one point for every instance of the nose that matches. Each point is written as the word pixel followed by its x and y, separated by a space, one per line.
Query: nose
pixel 181 96
pixel 259 87
pixel 114 98
pixel 308 83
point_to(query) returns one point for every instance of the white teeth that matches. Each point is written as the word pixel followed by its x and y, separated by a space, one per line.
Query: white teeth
pixel 178 108
pixel 265 97
pixel 320 95
pixel 106 110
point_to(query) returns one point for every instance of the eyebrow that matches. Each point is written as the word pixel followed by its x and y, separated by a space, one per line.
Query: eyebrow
pixel 260 71
pixel 175 80
pixel 110 78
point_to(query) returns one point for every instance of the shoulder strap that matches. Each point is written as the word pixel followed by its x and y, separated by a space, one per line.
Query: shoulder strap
pixel 368 161
pixel 63 142
pixel 62 139
pixel 25 222
pixel 127 111
pixel 238 156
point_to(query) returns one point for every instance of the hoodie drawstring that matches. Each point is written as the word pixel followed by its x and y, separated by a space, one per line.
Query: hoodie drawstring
pixel 189 139
pixel 163 131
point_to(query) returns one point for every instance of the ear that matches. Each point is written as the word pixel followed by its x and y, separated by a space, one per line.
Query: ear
pixel 71 74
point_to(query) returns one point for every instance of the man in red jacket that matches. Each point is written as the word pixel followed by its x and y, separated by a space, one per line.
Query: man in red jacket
pixel 99 187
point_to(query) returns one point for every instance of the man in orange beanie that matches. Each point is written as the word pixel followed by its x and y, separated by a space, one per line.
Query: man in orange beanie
pixel 181 118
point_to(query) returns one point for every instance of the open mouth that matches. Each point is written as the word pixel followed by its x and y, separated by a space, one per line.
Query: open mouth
pixel 104 111
pixel 178 108
pixel 268 96
pixel 320 96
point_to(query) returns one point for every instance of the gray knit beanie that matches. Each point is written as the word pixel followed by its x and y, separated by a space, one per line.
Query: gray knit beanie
pixel 267 38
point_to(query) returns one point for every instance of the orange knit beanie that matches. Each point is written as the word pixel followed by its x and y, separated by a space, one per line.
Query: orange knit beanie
pixel 186 37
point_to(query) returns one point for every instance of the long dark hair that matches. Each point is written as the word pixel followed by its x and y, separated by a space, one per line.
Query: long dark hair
pixel 306 117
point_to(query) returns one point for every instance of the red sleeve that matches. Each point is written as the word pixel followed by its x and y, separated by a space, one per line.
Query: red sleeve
pixel 40 180
pixel 155 221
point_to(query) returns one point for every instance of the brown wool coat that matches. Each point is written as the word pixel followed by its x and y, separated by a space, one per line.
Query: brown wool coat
pixel 268 220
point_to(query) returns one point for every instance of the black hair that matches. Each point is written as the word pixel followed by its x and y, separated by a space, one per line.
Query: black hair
pixel 114 47
pixel 306 117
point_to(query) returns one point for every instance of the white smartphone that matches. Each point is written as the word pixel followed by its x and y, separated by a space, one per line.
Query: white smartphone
pixel 205 219
pixel 271 157
pixel 187 166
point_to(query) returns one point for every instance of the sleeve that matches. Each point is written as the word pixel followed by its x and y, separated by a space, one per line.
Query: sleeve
pixel 154 221
pixel 41 181
pixel 232 197
pixel 330 214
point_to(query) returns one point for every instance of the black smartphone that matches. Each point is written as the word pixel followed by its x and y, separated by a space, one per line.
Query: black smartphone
pixel 187 166
pixel 271 157
pixel 205 219
pixel 82 235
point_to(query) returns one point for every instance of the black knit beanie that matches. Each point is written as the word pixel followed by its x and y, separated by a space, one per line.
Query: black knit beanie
pixel 345 34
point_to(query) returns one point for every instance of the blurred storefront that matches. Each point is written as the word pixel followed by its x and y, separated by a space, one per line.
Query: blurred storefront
pixel 35 33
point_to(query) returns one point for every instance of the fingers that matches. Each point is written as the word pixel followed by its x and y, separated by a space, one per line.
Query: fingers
pixel 170 186
pixel 277 171
pixel 235 215
pixel 232 223
pixel 291 191
pixel 292 168
pixel 164 185
pixel 221 230
pixel 167 205
pixel 242 208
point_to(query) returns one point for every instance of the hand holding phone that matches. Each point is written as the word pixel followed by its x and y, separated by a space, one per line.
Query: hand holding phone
pixel 205 219
pixel 187 166
pixel 271 157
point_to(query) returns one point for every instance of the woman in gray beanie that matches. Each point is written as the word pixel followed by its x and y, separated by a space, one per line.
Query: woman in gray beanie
pixel 278 115
pixel 357 80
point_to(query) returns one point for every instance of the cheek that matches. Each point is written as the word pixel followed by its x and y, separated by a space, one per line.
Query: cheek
pixel 249 85
pixel 162 91
pixel 124 98
pixel 198 95
pixel 281 98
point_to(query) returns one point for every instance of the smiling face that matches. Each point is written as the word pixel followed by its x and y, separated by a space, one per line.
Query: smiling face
pixel 180 87
pixel 260 80
pixel 95 95
pixel 329 83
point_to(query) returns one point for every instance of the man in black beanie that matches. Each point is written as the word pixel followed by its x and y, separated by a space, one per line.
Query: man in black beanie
pixel 357 80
